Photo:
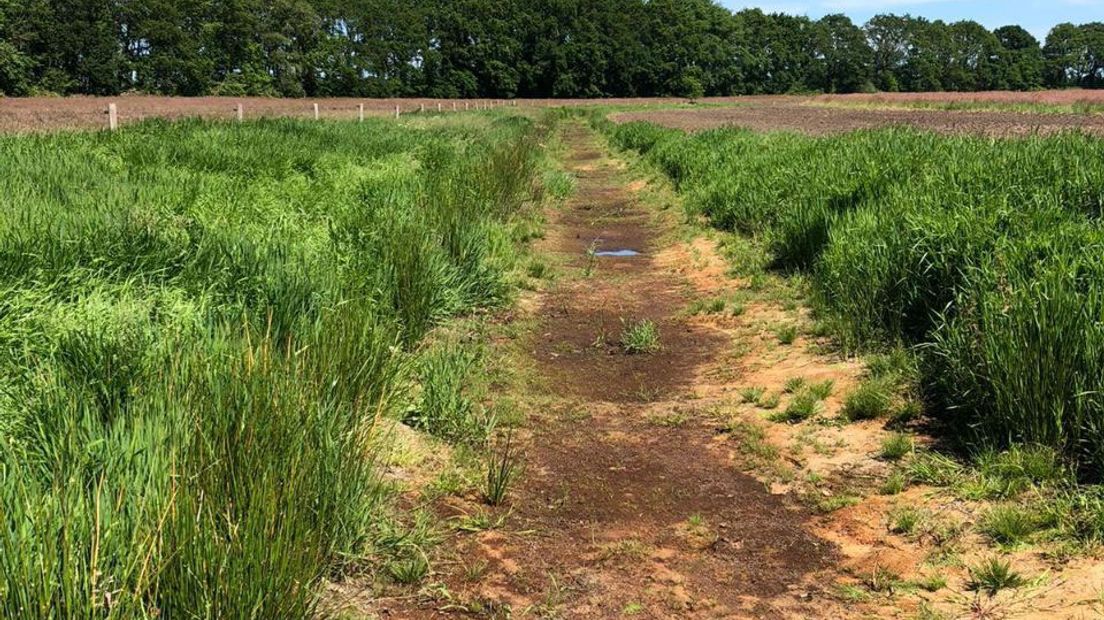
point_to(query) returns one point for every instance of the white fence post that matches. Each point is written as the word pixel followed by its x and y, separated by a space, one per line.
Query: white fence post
pixel 360 112
pixel 240 113
pixel 112 117
pixel 397 111
pixel 316 116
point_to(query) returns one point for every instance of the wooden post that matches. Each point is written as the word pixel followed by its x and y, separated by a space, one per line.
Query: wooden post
pixel 241 113
pixel 316 117
pixel 360 112
pixel 397 111
pixel 421 109
pixel 453 106
pixel 467 105
pixel 438 107
pixel 112 117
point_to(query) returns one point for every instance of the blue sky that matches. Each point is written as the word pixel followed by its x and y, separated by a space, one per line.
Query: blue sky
pixel 1038 16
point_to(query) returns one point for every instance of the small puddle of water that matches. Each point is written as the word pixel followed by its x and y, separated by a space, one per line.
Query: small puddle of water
pixel 618 253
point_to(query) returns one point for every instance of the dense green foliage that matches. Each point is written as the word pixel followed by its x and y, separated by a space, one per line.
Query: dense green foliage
pixel 202 325
pixel 986 254
pixel 511 48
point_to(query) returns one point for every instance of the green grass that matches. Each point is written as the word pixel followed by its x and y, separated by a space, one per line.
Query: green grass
pixel 201 325
pixel 870 400
pixel 981 256
pixel 993 575
pixel 801 407
pixel 752 394
pixel 640 337
pixel 823 389
pixel 1009 524
pixel 794 385
pixel 896 447
pixel 769 401
pixel 715 305
pixel 503 468
pixel 786 334
pixel 906 520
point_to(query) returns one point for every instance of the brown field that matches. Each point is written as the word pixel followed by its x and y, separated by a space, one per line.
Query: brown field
pixel 1068 97
pixel 825 115
pixel 45 113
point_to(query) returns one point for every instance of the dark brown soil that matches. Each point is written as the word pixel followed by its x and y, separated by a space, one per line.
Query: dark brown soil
pixel 788 114
pixel 618 514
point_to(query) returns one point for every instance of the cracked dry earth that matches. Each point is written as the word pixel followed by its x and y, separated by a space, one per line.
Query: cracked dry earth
pixel 616 514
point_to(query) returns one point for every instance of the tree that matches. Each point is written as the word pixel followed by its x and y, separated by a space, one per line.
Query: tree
pixel 1021 62
pixel 15 65
pixel 889 37
pixel 845 56
pixel 1075 56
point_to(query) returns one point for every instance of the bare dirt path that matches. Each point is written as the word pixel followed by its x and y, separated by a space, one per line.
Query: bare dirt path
pixel 632 503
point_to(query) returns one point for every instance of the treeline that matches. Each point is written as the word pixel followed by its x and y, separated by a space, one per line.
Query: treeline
pixel 512 48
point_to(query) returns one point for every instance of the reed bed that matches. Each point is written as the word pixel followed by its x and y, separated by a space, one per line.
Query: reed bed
pixel 986 255
pixel 202 324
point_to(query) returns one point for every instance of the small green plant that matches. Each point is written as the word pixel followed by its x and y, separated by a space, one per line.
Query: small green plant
pixel 786 334
pixel 906 412
pixel 537 269
pixel 409 570
pixel 793 385
pixel 932 582
pixel 801 408
pixel 883 580
pixel 823 389
pixel 837 502
pixel 896 447
pixel 707 306
pixel 894 484
pixel 905 520
pixel 994 575
pixel 591 259
pixel 752 394
pixel 872 399
pixel 640 337
pixel 770 401
pixel 1008 524
pixel 935 469
pixel 502 469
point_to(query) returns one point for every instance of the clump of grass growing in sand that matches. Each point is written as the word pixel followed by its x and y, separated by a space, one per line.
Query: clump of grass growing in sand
pixel 770 401
pixel 871 400
pixel 503 466
pixel 993 575
pixel 786 334
pixel 752 394
pixel 896 446
pixel 793 385
pixel 707 306
pixel 823 389
pixel 802 407
pixel 1009 524
pixel 640 337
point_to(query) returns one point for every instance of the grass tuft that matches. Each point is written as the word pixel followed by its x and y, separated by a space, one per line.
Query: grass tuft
pixel 640 337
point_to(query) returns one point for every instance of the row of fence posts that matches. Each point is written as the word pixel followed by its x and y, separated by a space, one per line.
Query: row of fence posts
pixel 239 110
